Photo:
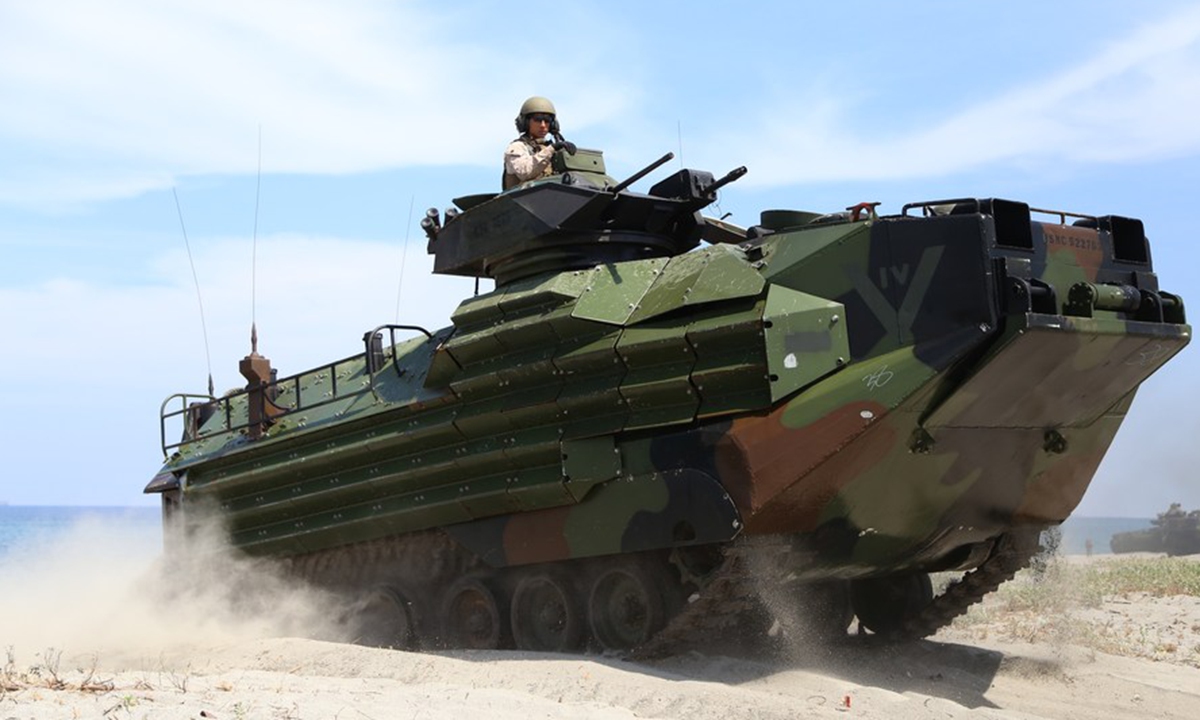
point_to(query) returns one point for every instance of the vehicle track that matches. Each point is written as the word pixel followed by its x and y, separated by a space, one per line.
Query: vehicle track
pixel 727 602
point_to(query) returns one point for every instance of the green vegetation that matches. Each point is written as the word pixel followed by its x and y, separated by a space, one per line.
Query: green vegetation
pixel 1155 576
pixel 1089 584
pixel 1120 605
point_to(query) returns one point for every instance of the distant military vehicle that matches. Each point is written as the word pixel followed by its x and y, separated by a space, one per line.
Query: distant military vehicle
pixel 1174 532
pixel 821 406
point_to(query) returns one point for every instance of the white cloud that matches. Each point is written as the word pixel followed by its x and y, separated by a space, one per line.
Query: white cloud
pixel 84 367
pixel 106 101
pixel 315 298
pixel 109 100
pixel 1136 99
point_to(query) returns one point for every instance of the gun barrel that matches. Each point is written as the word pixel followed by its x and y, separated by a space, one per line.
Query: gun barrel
pixel 733 174
pixel 643 172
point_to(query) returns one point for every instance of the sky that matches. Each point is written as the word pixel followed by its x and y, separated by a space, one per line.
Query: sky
pixel 303 140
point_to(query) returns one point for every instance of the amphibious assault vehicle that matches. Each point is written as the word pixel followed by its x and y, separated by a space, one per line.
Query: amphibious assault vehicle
pixel 635 437
pixel 1174 532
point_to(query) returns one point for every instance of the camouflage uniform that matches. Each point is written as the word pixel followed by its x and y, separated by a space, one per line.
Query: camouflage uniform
pixel 525 159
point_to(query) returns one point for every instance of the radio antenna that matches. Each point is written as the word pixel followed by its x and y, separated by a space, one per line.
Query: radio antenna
pixel 404 254
pixel 196 280
pixel 254 249
pixel 679 133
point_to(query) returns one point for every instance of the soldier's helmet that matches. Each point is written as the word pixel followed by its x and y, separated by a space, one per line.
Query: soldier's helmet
pixel 535 104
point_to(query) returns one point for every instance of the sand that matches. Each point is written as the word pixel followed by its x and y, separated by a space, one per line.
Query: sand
pixel 994 664
pixel 294 678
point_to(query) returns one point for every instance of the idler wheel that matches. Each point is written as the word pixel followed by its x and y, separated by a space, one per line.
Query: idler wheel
pixel 545 616
pixel 473 617
pixel 384 619
pixel 624 609
pixel 884 604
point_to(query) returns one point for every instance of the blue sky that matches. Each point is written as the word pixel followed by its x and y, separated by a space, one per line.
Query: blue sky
pixel 366 109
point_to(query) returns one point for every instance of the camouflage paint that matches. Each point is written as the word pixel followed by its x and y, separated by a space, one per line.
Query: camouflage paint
pixel 888 392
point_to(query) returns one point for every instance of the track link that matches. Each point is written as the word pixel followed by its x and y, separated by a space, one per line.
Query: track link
pixel 729 602
pixel 731 599
pixel 1011 553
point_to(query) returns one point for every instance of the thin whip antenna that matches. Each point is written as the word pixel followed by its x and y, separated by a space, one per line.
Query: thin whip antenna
pixel 196 280
pixel 254 244
pixel 679 133
pixel 404 255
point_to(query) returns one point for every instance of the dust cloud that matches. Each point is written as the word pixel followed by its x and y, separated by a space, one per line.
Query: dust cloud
pixel 98 588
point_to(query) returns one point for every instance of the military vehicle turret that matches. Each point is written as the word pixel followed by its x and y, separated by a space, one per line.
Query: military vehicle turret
pixel 653 406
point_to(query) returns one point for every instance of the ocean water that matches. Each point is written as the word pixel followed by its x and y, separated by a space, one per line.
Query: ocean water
pixel 1076 531
pixel 26 528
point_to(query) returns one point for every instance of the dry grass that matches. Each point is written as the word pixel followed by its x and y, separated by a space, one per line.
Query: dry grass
pixel 1137 607
pixel 46 673
pixel 49 675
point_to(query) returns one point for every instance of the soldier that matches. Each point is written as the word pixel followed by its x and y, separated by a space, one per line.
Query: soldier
pixel 528 157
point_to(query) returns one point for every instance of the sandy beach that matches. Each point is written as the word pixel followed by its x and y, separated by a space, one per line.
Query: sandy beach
pixel 290 678
pixel 1033 650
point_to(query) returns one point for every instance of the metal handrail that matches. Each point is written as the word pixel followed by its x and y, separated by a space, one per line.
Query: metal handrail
pixel 369 354
pixel 271 391
pixel 184 409
pixel 1063 215
pixel 927 204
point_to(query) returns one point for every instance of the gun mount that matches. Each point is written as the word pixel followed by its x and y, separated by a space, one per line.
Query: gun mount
pixel 576 219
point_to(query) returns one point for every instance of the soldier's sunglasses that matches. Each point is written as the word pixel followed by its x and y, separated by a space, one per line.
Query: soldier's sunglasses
pixel 541 118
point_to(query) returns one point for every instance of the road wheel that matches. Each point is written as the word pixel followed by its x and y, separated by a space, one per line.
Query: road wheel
pixel 545 615
pixel 624 607
pixel 384 619
pixel 473 617
pixel 884 604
